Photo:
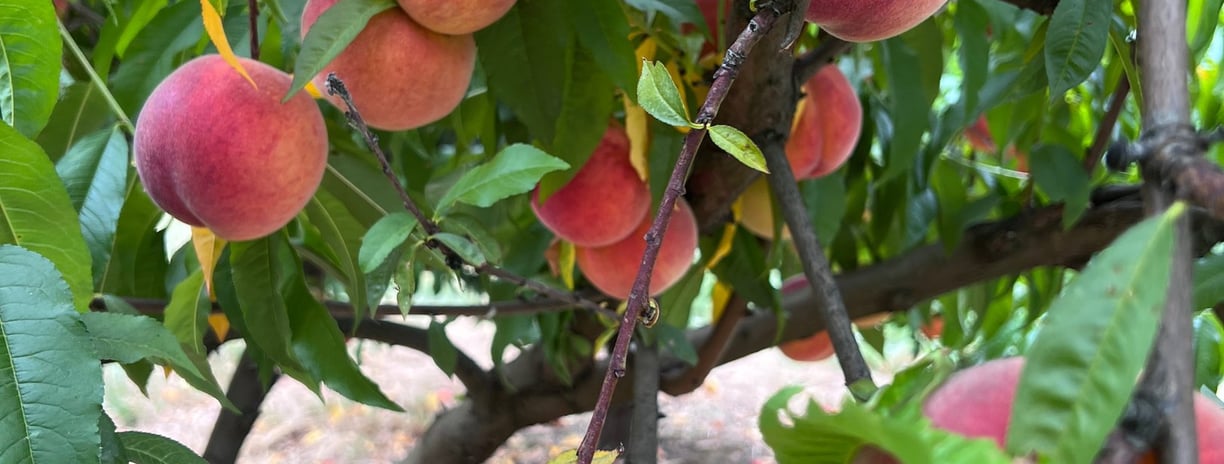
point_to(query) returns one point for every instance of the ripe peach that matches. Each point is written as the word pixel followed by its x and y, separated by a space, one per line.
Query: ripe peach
pixel 934 328
pixel 612 268
pixel 870 20
pixel 214 151
pixel 456 16
pixel 826 127
pixel 604 202
pixel 400 74
pixel 977 402
pixel 819 346
pixel 979 136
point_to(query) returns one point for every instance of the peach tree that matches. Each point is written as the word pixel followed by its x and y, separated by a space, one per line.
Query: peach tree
pixel 640 191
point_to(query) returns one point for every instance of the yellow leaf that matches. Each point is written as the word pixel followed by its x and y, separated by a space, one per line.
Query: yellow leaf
pixel 566 263
pixel 646 52
pixel 167 371
pixel 674 70
pixel 220 325
pixel 728 236
pixel 639 136
pixel 208 250
pixel 571 456
pixel 720 296
pixel 313 91
pixel 216 33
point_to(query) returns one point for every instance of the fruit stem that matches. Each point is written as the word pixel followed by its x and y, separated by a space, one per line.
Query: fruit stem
pixel 757 28
pixel 335 86
pixel 97 81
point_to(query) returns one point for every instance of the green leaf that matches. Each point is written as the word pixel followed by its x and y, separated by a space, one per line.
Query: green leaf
pixel 51 383
pixel 737 144
pixel 329 35
pixel 1208 350
pixel 112 450
pixel 128 338
pixel 1062 177
pixel 342 233
pixel 405 282
pixel 1208 281
pixel 1094 341
pixel 914 52
pixel 582 120
pixel 676 342
pixel 148 448
pixel 1075 42
pixel 95 172
pixel 514 170
pixel 138 264
pixel 384 237
pixel 36 213
pixel 462 247
pixel 659 96
pixel 1202 18
pixel 30 50
pixel 525 55
pixel 187 312
pixel 602 28
pixel 317 341
pixel 826 204
pixel 475 230
pixel 443 352
pixel 81 110
pixel 261 268
pixel 155 53
pixel 820 437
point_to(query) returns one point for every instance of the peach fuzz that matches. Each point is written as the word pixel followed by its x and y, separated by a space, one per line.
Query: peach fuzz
pixel 456 16
pixel 827 125
pixel 870 20
pixel 215 152
pixel 604 202
pixel 613 268
pixel 401 75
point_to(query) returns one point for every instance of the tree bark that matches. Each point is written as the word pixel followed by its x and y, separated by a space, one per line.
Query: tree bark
pixel 231 430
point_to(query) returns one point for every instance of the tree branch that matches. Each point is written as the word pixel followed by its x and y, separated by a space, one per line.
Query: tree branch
pixel 339 309
pixel 1104 133
pixel 253 15
pixel 809 63
pixel 231 430
pixel 723 78
pixel 711 351
pixel 336 87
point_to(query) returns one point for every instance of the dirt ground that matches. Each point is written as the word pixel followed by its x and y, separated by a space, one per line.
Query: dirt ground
pixel 716 423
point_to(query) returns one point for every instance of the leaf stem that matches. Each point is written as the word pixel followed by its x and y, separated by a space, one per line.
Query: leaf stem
pixel 97 80
pixel 638 296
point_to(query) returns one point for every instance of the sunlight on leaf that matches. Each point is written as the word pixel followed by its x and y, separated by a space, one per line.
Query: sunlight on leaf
pixel 216 33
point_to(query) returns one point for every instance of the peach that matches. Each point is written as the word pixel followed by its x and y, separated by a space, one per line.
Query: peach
pixel 827 125
pixel 870 20
pixel 979 136
pixel 401 75
pixel 613 268
pixel 818 347
pixel 456 16
pixel 604 202
pixel 216 152
pixel 977 402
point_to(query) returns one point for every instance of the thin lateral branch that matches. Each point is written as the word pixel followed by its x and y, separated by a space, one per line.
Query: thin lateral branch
pixel 338 309
pixel 723 77
pixel 1100 141
pixel 336 87
pixel 819 276
pixel 253 14
pixel 809 63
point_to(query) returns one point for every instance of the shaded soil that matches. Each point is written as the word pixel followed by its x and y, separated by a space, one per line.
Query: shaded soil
pixel 716 423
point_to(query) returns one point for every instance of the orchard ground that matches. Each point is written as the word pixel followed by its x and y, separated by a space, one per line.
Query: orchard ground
pixel 716 423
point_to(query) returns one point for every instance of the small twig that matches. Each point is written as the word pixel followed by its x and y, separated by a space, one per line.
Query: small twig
pixel 1104 132
pixel 253 15
pixel 809 63
pixel 723 77
pixel 336 87
pixel 97 81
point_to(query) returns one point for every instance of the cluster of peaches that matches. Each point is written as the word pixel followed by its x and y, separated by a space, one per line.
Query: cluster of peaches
pixel 217 149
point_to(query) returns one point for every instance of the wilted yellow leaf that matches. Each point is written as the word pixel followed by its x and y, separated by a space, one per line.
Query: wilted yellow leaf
pixel 208 250
pixel 728 236
pixel 313 91
pixel 720 296
pixel 216 33
pixel 566 264
pixel 571 456
pixel 639 136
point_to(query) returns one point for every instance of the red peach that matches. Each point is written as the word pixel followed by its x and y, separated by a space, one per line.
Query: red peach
pixel 456 16
pixel 613 268
pixel 870 20
pixel 826 127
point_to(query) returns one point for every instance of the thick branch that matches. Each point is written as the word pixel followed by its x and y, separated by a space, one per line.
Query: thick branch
pixel 230 430
pixel 809 63
pixel 1163 62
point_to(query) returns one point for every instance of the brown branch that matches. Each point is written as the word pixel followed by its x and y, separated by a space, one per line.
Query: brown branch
pixel 711 351
pixel 336 87
pixel 1100 141
pixel 723 78
pixel 819 275
pixel 230 430
pixel 253 15
pixel 809 63
pixel 1168 377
